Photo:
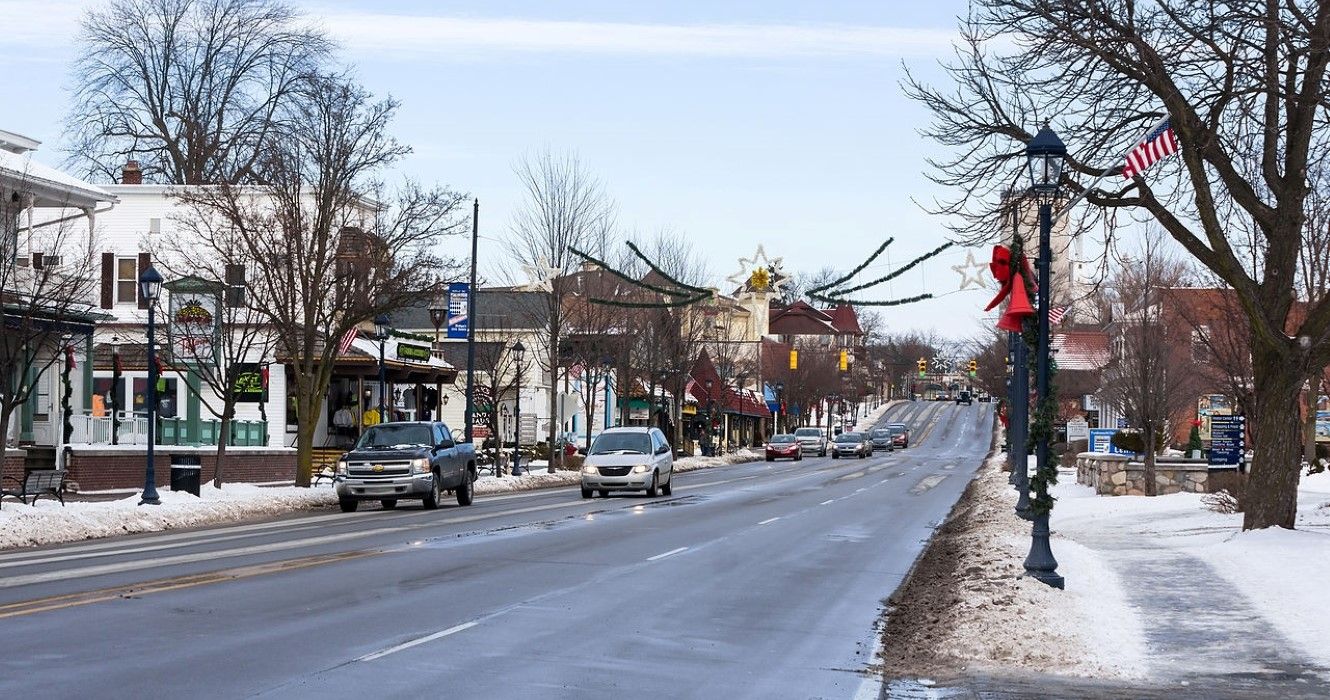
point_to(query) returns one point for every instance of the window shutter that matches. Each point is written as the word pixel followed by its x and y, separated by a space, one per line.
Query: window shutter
pixel 145 262
pixel 235 285
pixel 38 261
pixel 108 280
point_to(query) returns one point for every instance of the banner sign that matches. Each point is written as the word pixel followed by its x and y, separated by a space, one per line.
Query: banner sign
pixel 459 296
pixel 1228 440
pixel 251 385
pixel 192 326
pixel 413 353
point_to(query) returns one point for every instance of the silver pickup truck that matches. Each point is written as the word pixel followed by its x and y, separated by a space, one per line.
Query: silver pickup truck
pixel 392 461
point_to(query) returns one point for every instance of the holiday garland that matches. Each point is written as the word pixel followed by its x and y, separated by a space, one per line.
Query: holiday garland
pixel 858 302
pixel 627 277
pixel 897 273
pixel 690 294
pixel 1045 411
pixel 656 269
pixel 852 273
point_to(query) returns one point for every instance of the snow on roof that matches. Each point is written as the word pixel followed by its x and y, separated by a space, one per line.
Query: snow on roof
pixel 52 187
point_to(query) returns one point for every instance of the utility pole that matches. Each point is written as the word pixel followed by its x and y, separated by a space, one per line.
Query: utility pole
pixel 471 323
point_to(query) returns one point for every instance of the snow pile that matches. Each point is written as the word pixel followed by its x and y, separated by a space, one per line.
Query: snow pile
pixel 540 479
pixel 1000 618
pixel 688 464
pixel 47 522
pixel 870 419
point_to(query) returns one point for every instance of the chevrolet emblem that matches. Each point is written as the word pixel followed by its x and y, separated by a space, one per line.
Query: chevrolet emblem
pixel 377 467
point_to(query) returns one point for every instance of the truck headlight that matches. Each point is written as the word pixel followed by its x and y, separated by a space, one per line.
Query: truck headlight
pixel 420 465
pixel 341 467
pixel 641 469
pixel 590 470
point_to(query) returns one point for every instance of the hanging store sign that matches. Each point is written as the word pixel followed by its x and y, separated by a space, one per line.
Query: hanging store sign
pixel 459 299
pixel 413 353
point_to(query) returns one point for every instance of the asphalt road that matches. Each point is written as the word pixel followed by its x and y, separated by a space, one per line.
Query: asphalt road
pixel 754 581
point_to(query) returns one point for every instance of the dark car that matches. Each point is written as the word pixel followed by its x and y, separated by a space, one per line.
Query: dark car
pixel 392 461
pixel 784 447
pixel 882 439
pixel 964 398
pixel 900 435
pixel 851 445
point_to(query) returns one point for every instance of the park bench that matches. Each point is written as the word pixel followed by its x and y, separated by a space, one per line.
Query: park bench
pixel 39 482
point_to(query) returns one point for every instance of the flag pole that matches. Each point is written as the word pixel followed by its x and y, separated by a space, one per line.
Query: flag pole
pixel 1077 199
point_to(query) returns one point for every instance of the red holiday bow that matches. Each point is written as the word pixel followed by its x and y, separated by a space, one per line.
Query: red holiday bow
pixel 1005 273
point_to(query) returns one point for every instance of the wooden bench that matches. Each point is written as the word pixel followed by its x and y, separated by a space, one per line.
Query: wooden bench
pixel 39 482
pixel 324 465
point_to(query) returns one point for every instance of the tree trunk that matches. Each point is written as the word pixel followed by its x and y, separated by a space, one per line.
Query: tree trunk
pixel 220 462
pixel 1151 488
pixel 1309 422
pixel 1272 485
pixel 305 447
pixel 553 398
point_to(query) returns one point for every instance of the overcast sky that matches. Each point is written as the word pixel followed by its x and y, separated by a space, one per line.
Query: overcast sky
pixel 738 123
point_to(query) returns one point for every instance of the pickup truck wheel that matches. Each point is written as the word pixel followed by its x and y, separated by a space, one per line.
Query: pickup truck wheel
pixel 431 499
pixel 389 503
pixel 654 489
pixel 348 505
pixel 466 492
pixel 586 493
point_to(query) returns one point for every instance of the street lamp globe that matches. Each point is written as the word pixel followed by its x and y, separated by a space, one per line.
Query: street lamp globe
pixel 381 323
pixel 150 284
pixel 1044 156
pixel 519 351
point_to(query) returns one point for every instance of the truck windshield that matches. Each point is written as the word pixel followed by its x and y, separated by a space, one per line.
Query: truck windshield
pixel 622 444
pixel 390 435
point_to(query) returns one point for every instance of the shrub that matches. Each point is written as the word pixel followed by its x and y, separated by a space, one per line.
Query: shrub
pixel 1194 439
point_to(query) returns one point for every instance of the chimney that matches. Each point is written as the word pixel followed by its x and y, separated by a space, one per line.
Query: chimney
pixel 132 174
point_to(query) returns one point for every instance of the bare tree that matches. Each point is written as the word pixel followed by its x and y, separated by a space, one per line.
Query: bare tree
pixel 1151 377
pixel 196 90
pixel 41 293
pixel 564 206
pixel 1244 86
pixel 326 247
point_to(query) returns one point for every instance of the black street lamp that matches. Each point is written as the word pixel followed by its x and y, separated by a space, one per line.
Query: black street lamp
pixel 780 405
pixel 1044 155
pixel 709 448
pixel 381 332
pixel 519 353
pixel 150 287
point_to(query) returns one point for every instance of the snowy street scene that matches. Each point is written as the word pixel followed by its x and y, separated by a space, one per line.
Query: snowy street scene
pixel 973 349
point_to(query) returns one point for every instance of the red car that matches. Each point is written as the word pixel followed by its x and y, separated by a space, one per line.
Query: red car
pixel 782 447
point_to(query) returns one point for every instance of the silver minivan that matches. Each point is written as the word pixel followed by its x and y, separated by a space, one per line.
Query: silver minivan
pixel 629 459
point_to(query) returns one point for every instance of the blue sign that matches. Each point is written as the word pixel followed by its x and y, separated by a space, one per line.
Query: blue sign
pixel 1228 440
pixel 459 297
pixel 1101 441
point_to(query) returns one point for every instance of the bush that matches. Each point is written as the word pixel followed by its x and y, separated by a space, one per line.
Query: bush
pixel 1194 440
pixel 1133 441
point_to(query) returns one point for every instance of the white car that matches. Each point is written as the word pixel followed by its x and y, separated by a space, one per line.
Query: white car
pixel 629 459
pixel 811 440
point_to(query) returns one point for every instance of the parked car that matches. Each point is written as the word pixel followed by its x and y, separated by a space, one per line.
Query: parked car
pixel 964 398
pixel 629 459
pixel 418 459
pixel 900 435
pixel 851 444
pixel 811 440
pixel 783 447
pixel 881 438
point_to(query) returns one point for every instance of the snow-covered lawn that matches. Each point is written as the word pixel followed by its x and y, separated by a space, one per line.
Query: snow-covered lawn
pixel 1093 628
pixel 47 522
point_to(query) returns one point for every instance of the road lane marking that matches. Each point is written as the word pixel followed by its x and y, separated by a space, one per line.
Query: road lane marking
pixel 417 642
pixel 768 521
pixel 828 501
pixel 670 553
pixel 927 483
pixel 860 490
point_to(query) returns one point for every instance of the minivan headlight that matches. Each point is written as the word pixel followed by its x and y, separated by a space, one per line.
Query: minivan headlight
pixel 641 469
pixel 589 470
pixel 341 467
pixel 420 465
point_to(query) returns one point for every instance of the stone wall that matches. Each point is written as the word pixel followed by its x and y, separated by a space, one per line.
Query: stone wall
pixel 1115 475
pixel 97 469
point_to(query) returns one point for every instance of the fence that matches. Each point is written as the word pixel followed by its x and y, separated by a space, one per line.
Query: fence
pixel 133 430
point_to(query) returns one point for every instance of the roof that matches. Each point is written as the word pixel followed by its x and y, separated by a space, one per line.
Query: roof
pixel 846 320
pixel 50 187
pixel 1080 350
pixel 800 318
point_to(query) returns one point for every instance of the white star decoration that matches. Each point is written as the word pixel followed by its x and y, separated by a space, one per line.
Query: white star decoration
pixel 542 276
pixel 972 272
pixel 747 266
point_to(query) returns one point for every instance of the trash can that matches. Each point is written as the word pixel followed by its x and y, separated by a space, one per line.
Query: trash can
pixel 185 473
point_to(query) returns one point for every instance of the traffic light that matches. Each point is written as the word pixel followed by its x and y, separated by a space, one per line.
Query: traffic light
pixel 974 367
pixel 923 366
pixel 844 360
pixel 794 359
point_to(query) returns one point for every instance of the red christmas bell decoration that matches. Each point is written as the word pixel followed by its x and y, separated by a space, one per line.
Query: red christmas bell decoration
pixel 1018 308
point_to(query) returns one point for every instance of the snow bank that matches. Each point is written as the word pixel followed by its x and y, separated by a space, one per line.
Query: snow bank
pixel 871 418
pixel 47 522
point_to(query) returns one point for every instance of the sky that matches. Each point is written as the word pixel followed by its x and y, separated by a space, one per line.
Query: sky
pixel 735 124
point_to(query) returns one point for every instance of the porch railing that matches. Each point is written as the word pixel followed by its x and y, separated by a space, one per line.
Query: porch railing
pixel 96 430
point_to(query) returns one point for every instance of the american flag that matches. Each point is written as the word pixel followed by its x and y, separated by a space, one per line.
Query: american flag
pixel 1158 143
pixel 1055 314
pixel 347 337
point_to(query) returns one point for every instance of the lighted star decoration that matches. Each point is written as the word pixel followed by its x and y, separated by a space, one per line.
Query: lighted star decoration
pixel 752 271
pixel 973 273
pixel 541 276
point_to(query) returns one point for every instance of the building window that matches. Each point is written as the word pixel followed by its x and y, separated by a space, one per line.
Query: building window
pixel 126 280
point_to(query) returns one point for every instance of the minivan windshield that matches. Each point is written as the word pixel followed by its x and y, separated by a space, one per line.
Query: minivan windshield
pixel 390 435
pixel 808 432
pixel 622 444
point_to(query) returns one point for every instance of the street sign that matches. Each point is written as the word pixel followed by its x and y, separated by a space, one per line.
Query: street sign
pixel 1078 429
pixel 528 429
pixel 459 323
pixel 1228 440
pixel 1101 441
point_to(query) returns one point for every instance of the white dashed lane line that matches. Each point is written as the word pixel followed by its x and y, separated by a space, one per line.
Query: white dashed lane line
pixel 417 642
pixel 769 520
pixel 827 502
pixel 662 555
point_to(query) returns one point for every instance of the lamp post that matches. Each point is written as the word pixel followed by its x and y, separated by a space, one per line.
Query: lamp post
pixel 780 405
pixel 519 353
pixel 438 315
pixel 150 287
pixel 1044 155
pixel 381 330
pixel 709 448
pixel 115 390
